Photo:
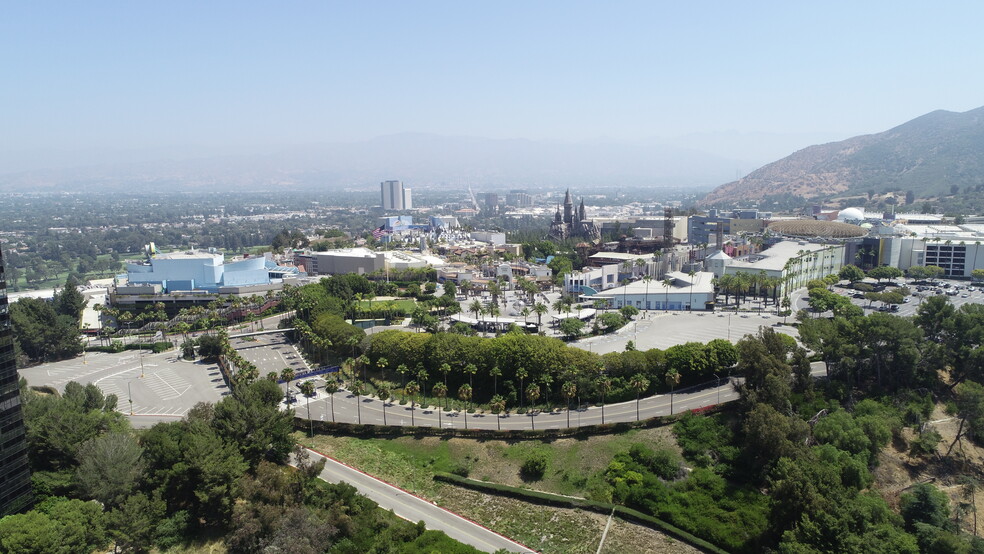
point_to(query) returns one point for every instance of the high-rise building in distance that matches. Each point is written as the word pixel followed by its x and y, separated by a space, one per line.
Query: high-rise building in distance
pixel 395 196
pixel 15 476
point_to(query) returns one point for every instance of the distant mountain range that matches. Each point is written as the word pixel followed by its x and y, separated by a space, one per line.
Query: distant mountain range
pixel 927 155
pixel 417 159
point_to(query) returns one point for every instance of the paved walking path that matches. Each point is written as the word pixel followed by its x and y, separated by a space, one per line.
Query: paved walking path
pixel 413 508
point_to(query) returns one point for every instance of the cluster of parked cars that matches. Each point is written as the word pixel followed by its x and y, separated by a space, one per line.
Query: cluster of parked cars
pixel 946 288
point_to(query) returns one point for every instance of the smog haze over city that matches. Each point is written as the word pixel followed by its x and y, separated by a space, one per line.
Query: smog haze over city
pixel 332 94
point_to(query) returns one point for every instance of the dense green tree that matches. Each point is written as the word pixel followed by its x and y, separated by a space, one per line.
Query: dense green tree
pixel 57 525
pixel 770 435
pixel 337 330
pixel 133 525
pixel 252 419
pixel 58 426
pixel 69 301
pixel 109 467
pixel 767 375
pixel 43 334
pixel 924 503
pixel 571 327
pixel 851 273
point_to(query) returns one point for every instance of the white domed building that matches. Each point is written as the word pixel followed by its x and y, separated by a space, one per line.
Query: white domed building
pixel 851 215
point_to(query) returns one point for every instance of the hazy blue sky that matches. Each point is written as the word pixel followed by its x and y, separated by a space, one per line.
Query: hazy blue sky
pixel 146 74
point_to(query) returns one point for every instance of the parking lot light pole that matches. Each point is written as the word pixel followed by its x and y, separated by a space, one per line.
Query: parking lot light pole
pixel 140 353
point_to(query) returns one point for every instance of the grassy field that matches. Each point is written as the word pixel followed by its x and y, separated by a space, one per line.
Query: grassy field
pixel 574 468
pixel 406 305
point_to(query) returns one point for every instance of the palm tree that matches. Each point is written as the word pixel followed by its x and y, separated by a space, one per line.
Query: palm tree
pixel 540 308
pixel 412 389
pixel 445 368
pixel 440 391
pixel 625 291
pixel 363 362
pixel 569 390
pixel 741 286
pixel 647 279
pixel 358 389
pixel 667 283
pixel 522 374
pixel 640 384
pixel 471 370
pixel 384 394
pixel 465 394
pixel 331 387
pixel 672 379
pixel 307 389
pixel 272 376
pixel 498 405
pixel 475 307
pixel 422 377
pixel 353 342
pixel 691 274
pixel 402 369
pixel 525 312
pixel 495 290
pixel 493 310
pixel 287 374
pixel 532 394
pixel 724 284
pixel 382 363
pixel 495 372
pixel 604 385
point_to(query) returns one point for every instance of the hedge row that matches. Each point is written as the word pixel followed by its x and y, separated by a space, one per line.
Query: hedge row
pixel 155 347
pixel 583 504
pixel 388 431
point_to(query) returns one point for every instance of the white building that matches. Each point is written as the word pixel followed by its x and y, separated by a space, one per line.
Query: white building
pixel 395 196
pixel 794 263
pixel 495 238
pixel 592 280
pixel 197 271
pixel 679 291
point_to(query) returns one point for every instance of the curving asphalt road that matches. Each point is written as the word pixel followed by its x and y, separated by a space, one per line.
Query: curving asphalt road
pixel 413 508
pixel 369 410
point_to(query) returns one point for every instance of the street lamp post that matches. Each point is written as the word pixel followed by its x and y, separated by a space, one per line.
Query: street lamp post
pixel 140 353
pixel 718 387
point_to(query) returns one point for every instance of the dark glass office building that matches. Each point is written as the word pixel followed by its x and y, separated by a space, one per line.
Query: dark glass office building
pixel 15 476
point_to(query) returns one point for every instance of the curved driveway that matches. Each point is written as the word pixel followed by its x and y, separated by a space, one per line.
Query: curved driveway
pixel 369 410
pixel 413 508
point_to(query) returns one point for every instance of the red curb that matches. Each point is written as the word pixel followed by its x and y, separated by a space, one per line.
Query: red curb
pixel 420 498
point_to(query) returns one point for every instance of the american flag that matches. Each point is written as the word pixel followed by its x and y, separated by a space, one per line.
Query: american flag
pixel 378 233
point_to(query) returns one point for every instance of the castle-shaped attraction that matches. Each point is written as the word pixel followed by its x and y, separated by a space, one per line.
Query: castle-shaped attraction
pixel 573 223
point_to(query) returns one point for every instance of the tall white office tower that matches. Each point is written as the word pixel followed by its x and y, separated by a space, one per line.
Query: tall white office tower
pixel 395 196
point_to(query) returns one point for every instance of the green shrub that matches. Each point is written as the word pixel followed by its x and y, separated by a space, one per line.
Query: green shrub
pixel 925 443
pixel 534 467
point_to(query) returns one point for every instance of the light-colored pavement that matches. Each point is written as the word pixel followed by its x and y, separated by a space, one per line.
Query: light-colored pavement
pixel 657 329
pixel 160 386
pixel 413 508
pixel 270 353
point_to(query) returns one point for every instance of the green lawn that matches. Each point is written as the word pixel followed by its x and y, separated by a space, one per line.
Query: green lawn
pixel 406 305
pixel 574 466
